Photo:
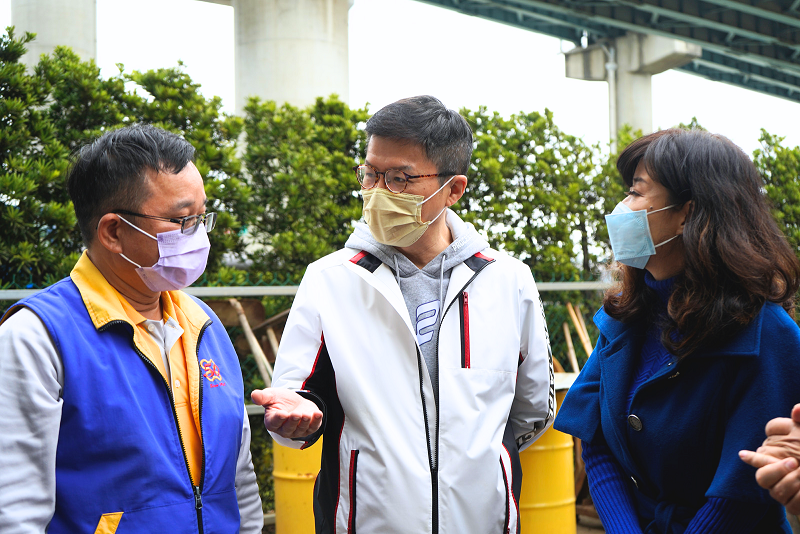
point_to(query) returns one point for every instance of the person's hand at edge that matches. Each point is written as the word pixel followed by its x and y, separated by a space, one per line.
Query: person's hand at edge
pixel 783 437
pixel 777 461
pixel 288 414
pixel 780 477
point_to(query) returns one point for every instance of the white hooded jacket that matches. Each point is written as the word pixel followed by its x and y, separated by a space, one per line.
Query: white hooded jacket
pixel 349 346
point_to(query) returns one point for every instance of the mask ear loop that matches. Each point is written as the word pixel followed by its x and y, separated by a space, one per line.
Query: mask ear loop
pixel 130 260
pixel 661 209
pixel 433 195
pixel 671 238
pixel 440 214
pixel 667 241
pixel 137 228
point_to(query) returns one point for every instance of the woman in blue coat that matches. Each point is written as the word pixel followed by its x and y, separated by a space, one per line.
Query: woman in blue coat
pixel 697 346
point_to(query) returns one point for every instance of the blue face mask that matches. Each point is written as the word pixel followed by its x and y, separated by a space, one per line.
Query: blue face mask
pixel 630 237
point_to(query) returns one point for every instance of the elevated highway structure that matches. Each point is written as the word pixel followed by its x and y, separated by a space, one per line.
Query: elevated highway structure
pixel 293 50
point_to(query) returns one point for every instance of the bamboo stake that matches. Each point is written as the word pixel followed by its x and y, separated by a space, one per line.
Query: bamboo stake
pixel 583 325
pixel 273 340
pixel 584 340
pixel 261 360
pixel 573 360
pixel 574 318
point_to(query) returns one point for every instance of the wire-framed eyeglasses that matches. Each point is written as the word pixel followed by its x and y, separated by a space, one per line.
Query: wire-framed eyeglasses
pixel 188 224
pixel 396 181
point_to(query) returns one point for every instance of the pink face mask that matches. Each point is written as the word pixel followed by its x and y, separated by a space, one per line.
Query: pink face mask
pixel 181 259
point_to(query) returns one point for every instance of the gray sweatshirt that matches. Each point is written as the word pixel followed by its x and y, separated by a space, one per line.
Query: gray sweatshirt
pixel 424 289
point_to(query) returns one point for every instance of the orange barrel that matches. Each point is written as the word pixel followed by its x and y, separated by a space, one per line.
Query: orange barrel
pixel 547 501
pixel 294 472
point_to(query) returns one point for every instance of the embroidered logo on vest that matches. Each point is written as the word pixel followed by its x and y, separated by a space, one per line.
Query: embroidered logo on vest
pixel 211 372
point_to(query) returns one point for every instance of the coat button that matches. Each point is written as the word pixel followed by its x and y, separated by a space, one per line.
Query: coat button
pixel 635 422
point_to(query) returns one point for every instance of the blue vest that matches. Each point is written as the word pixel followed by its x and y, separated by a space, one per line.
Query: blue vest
pixel 119 448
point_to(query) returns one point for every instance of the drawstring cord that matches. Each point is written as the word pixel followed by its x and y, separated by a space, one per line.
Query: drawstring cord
pixel 441 283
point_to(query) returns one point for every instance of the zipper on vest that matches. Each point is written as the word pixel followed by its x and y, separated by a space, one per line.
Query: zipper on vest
pixel 196 490
pixel 198 497
pixel 198 500
pixel 198 506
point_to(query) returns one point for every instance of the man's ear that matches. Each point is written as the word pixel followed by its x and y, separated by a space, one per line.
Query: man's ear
pixel 108 236
pixel 685 211
pixel 457 188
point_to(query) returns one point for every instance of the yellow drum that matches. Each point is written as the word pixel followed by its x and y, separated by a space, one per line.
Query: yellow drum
pixel 547 502
pixel 294 472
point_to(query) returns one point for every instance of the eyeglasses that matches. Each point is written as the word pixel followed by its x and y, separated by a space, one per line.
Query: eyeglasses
pixel 188 224
pixel 396 181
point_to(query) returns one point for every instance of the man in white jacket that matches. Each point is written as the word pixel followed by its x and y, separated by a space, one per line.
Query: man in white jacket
pixel 418 352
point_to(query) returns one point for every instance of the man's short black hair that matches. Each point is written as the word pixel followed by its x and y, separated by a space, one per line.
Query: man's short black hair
pixel 443 134
pixel 111 172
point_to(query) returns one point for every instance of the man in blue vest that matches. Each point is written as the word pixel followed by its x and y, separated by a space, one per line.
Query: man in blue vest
pixel 121 395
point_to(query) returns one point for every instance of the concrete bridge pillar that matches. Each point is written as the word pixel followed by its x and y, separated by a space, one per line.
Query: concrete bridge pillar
pixel 56 22
pixel 291 50
pixel 286 50
pixel 628 63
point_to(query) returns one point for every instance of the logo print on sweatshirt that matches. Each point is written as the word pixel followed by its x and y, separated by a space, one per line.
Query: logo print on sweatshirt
pixel 427 318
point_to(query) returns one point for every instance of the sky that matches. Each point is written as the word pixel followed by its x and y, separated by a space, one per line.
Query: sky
pixel 401 48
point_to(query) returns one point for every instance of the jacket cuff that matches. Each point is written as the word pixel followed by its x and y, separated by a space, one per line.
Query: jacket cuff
pixel 316 399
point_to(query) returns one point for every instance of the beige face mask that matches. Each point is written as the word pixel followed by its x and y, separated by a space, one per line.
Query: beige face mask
pixel 396 218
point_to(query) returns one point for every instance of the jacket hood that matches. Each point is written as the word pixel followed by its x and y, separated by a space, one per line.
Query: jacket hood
pixel 466 243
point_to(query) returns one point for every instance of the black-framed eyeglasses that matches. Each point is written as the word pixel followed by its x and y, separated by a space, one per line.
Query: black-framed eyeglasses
pixel 188 224
pixel 396 181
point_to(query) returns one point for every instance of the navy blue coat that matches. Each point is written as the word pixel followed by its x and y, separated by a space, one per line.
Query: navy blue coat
pixel 679 441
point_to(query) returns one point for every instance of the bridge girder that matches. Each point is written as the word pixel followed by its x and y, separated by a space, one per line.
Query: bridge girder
pixel 753 44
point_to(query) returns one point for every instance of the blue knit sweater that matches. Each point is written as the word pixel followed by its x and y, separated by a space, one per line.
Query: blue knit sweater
pixel 607 482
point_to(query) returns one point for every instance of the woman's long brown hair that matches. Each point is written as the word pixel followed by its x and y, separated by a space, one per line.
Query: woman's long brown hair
pixel 736 258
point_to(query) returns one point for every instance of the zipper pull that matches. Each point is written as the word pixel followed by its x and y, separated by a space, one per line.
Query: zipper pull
pixel 198 498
